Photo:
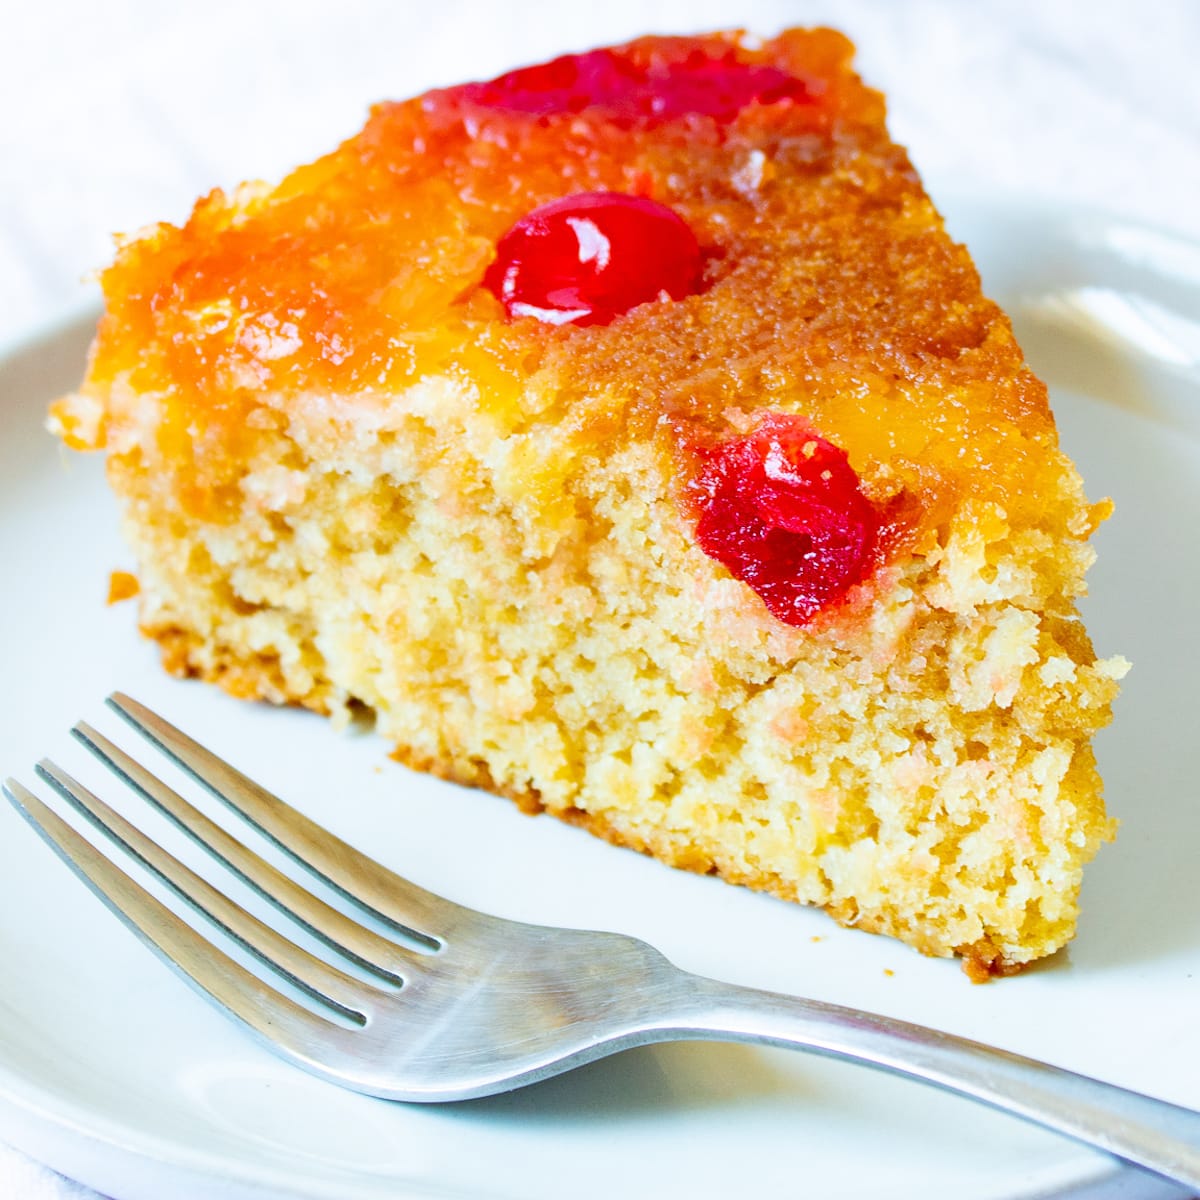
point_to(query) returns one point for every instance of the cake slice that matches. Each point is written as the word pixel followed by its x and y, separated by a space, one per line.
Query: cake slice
pixel 627 434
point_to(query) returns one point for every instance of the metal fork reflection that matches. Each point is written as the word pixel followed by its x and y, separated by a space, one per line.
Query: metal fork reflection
pixel 460 1004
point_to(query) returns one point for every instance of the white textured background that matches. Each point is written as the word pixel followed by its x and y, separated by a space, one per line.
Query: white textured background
pixel 117 113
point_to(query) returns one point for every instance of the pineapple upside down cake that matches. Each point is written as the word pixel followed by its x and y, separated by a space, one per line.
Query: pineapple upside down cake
pixel 628 435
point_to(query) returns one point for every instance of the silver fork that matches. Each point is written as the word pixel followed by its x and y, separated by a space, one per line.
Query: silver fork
pixel 465 1004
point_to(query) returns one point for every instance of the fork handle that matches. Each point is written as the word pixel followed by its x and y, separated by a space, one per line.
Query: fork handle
pixel 1161 1137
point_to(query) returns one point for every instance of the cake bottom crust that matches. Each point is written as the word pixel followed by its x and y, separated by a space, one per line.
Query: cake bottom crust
pixel 262 677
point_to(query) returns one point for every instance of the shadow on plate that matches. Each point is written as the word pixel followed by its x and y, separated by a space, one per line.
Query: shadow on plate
pixel 679 1076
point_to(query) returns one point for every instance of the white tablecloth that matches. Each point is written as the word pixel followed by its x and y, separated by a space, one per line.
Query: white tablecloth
pixel 120 113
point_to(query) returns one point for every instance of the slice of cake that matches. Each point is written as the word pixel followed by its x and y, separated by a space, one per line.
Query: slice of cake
pixel 628 435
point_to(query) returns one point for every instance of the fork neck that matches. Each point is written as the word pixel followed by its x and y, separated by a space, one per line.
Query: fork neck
pixel 1151 1133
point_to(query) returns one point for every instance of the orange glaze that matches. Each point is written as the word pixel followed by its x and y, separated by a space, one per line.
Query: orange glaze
pixel 829 290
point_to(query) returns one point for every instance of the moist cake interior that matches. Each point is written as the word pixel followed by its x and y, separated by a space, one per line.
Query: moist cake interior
pixel 771 574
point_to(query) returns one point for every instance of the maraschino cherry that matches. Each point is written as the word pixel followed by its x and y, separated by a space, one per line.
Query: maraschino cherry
pixel 716 85
pixel 588 258
pixel 784 511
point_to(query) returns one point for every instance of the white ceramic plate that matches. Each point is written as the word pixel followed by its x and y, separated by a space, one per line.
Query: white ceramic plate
pixel 114 1072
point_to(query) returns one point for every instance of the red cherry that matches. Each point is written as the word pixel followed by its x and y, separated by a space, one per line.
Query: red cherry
pixel 713 85
pixel 783 510
pixel 588 258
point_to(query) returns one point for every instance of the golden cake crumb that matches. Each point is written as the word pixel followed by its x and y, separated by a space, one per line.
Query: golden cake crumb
pixel 354 474
pixel 122 586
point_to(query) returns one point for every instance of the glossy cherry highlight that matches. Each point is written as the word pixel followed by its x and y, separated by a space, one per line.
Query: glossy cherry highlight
pixel 783 510
pixel 588 258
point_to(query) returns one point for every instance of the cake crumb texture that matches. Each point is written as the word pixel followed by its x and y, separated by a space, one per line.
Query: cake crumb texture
pixel 350 480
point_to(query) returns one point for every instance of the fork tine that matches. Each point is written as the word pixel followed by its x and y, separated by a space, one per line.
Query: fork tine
pixel 274 1017
pixel 338 931
pixel 320 980
pixel 411 909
